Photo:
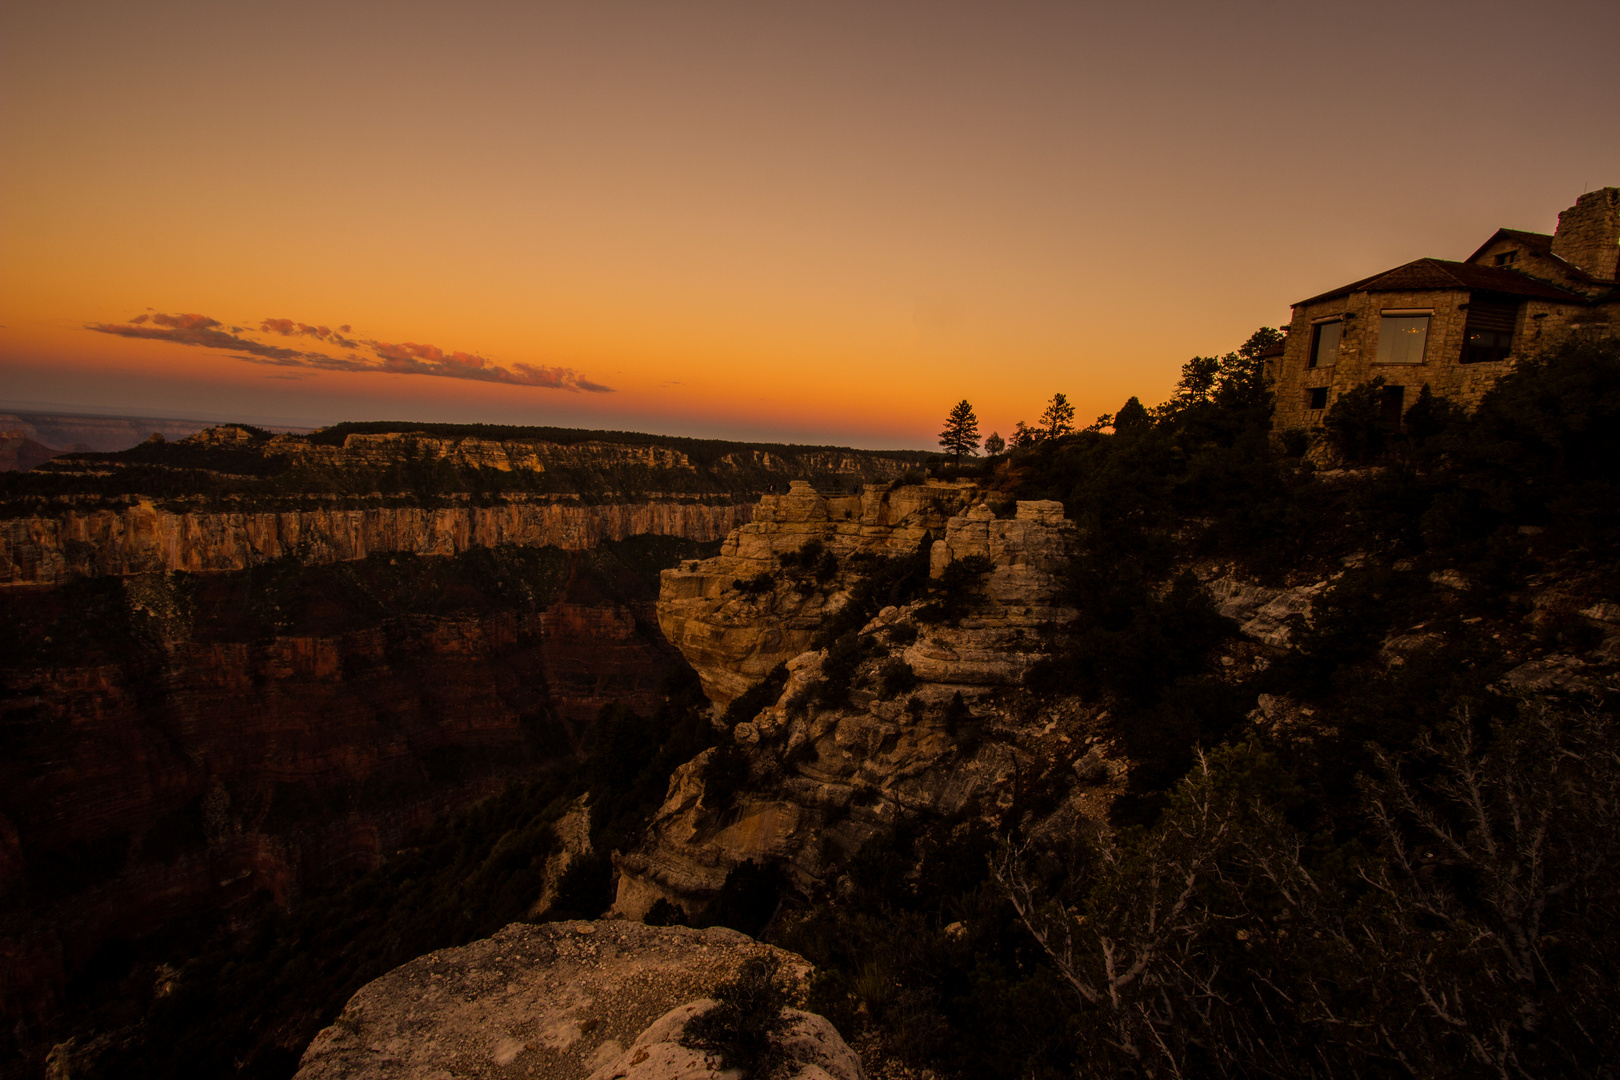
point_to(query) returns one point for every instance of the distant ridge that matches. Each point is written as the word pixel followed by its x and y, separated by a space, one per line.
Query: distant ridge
pixel 102 433
pixel 702 449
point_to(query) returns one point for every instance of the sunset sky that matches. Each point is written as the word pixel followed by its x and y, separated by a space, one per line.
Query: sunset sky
pixel 796 221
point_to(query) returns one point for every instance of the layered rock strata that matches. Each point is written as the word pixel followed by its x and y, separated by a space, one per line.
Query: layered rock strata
pixel 926 725
pixel 196 764
pixel 734 636
pixel 147 538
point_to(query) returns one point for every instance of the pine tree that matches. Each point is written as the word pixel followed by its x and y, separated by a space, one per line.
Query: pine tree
pixel 995 444
pixel 1058 419
pixel 961 434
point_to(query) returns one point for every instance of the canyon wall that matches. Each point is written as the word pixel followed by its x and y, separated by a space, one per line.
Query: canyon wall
pixel 146 537
pixel 177 746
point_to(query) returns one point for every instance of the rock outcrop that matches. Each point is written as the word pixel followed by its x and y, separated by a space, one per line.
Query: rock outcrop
pixel 559 1001
pixel 733 636
pixel 919 713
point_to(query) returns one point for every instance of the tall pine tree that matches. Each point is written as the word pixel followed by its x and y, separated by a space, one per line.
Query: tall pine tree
pixel 961 434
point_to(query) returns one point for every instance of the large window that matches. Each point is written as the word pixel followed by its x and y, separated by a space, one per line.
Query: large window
pixel 1325 342
pixel 1488 336
pixel 1402 337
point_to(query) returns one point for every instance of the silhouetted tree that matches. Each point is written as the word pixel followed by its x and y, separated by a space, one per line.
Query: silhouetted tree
pixel 995 444
pixel 1132 416
pixel 1058 419
pixel 961 434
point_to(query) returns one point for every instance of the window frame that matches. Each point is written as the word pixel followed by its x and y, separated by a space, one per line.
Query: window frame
pixel 1384 355
pixel 1313 357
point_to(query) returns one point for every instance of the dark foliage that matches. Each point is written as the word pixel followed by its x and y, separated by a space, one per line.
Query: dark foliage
pixel 745 1025
pixel 883 582
pixel 1470 936
pixel 724 774
pixel 920 945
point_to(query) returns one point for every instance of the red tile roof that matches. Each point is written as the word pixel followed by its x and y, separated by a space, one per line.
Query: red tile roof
pixel 1421 274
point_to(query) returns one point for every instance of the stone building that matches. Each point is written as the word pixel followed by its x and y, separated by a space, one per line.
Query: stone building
pixel 1453 326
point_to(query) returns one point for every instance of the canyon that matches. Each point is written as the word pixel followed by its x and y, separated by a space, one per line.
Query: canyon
pixel 209 703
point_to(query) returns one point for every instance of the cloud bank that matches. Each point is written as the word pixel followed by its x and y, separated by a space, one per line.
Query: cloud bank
pixel 358 354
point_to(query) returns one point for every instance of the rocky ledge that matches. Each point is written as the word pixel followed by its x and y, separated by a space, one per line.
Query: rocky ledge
pixel 559 1001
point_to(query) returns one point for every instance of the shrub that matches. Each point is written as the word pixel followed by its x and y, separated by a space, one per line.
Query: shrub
pixel 664 913
pixel 761 582
pixel 744 1027
pixel 895 677
pixel 1358 425
pixel 724 774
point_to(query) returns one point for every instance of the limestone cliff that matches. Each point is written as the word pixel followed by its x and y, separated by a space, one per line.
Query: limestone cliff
pixel 146 537
pixel 734 635
pixel 926 715
pixel 229 497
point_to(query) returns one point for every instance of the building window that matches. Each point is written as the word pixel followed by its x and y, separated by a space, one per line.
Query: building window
pixel 1325 342
pixel 1507 258
pixel 1316 397
pixel 1402 337
pixel 1391 404
pixel 1488 334
pixel 1486 346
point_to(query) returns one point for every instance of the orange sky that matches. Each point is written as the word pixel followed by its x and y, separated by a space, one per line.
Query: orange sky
pixel 813 222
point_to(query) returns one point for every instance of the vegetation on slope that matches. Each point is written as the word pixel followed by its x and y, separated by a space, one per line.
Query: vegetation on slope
pixel 1348 890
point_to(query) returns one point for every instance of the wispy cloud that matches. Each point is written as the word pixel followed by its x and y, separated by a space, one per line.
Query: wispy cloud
pixel 357 355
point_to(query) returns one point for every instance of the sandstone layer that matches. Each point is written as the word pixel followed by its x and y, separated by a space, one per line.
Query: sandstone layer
pixel 733 637
pixel 146 538
pixel 558 1001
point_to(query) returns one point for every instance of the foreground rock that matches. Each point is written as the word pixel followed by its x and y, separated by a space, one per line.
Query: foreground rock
pixel 814 1050
pixel 560 1001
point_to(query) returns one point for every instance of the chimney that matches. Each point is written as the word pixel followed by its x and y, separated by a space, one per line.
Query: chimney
pixel 1588 233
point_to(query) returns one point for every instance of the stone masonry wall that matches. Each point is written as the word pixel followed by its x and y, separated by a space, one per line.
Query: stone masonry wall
pixel 1589 233
pixel 1540 323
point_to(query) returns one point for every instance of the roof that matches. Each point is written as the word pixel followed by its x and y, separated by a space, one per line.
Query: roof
pixel 1274 350
pixel 1538 243
pixel 1421 274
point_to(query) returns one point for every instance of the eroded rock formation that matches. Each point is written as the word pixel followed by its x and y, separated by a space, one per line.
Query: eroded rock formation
pixel 924 717
pixel 559 1001
pixel 734 636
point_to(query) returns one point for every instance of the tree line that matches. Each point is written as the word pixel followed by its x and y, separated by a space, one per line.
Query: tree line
pixel 1204 380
